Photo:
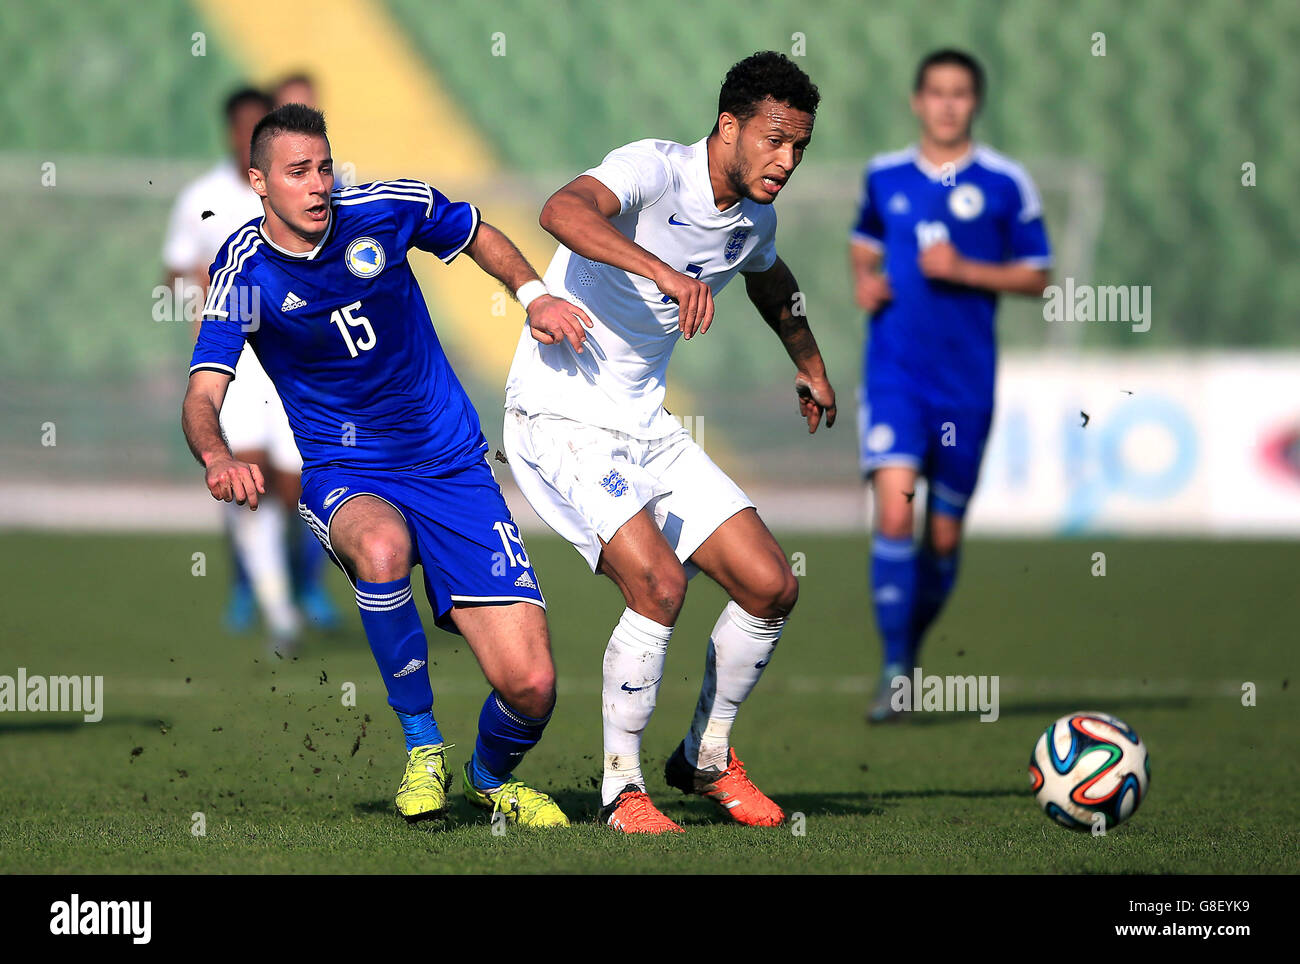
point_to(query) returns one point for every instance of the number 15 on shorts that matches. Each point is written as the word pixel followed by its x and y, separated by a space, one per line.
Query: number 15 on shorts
pixel 512 544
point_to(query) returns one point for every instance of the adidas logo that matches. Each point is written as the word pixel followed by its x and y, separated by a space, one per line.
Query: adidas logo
pixel 292 301
pixel 525 581
pixel 409 668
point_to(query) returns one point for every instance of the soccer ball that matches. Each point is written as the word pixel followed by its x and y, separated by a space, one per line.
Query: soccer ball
pixel 1089 764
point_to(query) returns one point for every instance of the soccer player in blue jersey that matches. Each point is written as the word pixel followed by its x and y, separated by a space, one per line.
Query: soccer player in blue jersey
pixel 395 469
pixel 945 226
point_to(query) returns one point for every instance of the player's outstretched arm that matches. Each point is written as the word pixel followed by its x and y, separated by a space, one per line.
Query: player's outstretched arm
pixel 942 262
pixel 228 479
pixel 550 319
pixel 870 286
pixel 577 215
pixel 776 295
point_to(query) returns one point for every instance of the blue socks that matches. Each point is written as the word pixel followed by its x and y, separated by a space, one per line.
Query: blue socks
pixel 893 590
pixel 397 639
pixel 305 559
pixel 909 588
pixel 239 581
pixel 504 736
pixel 934 581
pixel 420 729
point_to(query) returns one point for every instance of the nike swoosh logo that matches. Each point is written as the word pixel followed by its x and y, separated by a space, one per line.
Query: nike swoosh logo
pixel 760 665
pixel 638 689
pixel 681 224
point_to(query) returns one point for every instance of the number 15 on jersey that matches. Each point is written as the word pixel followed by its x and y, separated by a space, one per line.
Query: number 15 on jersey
pixel 344 320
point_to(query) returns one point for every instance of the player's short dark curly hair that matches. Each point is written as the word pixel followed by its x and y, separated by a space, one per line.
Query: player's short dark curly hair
pixel 957 58
pixel 289 119
pixel 765 74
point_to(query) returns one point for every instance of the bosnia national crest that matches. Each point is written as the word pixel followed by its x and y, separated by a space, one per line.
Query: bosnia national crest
pixel 365 257
pixel 966 201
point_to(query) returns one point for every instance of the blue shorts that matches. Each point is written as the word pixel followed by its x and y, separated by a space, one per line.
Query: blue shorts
pixel 943 443
pixel 461 530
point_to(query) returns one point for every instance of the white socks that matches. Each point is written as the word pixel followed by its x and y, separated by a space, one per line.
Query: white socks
pixel 258 537
pixel 740 647
pixel 634 666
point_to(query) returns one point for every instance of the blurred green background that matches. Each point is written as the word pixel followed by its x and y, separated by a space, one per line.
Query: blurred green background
pixel 1138 153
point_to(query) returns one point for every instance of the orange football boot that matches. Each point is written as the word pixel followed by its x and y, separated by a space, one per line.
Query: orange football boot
pixel 731 789
pixel 633 812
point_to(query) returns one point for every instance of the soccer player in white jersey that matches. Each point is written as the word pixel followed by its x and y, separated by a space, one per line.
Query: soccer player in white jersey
pixel 647 239
pixel 267 572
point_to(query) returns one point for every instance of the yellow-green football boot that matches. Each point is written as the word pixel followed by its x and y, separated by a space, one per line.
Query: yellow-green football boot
pixel 423 793
pixel 521 805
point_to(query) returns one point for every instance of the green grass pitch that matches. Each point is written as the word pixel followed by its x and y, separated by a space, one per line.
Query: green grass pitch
pixel 291 781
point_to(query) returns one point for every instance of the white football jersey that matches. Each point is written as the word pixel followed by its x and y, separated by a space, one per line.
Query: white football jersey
pixel 192 240
pixel 666 206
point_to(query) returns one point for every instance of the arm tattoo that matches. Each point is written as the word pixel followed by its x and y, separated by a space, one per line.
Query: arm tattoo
pixel 776 295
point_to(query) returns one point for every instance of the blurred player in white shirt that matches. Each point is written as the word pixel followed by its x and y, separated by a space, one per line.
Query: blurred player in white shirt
pixel 205 214
pixel 646 240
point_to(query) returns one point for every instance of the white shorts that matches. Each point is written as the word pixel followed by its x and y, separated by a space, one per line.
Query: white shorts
pixel 585 482
pixel 252 416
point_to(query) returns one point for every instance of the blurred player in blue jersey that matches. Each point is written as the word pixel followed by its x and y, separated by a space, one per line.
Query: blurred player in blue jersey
pixel 953 224
pixel 395 469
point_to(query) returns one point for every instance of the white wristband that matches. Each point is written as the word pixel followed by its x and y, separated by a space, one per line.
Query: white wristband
pixel 530 291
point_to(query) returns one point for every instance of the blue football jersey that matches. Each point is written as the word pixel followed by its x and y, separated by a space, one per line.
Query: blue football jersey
pixel 343 331
pixel 935 338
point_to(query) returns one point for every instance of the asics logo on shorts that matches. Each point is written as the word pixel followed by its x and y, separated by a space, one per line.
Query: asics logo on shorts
pixel 409 668
pixel 614 484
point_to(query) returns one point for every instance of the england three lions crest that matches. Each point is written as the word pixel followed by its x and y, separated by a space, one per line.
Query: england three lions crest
pixel 736 244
